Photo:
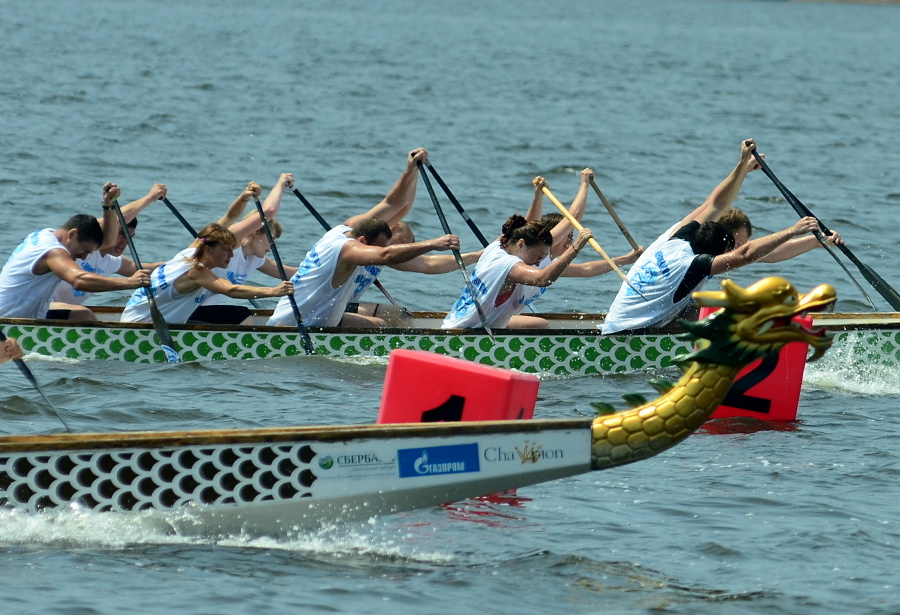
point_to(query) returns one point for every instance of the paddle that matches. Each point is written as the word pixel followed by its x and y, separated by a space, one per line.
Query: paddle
pixel 456 254
pixel 159 323
pixel 328 227
pixel 878 283
pixel 615 217
pixel 459 208
pixel 574 222
pixel 304 334
pixel 28 375
pixel 184 223
pixel 190 229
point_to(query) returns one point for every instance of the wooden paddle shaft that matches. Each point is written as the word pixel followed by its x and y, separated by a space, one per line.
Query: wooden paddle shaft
pixel 615 217
pixel 565 212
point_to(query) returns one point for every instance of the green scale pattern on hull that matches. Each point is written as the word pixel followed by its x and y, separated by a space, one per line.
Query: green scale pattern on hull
pixel 554 354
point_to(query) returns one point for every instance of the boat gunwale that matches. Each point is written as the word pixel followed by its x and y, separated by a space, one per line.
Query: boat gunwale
pixel 850 321
pixel 37 443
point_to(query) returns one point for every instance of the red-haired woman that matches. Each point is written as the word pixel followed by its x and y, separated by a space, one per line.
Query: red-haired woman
pixel 180 285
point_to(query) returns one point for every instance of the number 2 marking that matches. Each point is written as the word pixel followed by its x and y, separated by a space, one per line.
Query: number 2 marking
pixel 737 397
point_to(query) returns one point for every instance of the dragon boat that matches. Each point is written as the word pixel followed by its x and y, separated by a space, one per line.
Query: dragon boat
pixel 283 479
pixel 571 346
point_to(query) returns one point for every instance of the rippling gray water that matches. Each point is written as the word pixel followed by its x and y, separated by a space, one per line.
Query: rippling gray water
pixel 655 95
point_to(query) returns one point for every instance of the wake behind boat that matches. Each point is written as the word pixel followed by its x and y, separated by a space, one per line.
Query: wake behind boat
pixel 571 346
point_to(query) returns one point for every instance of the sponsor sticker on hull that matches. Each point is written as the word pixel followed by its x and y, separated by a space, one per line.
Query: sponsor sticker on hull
pixel 366 464
pixel 438 460
pixel 529 452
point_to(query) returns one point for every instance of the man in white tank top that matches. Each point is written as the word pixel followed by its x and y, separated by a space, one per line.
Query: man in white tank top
pixel 30 276
pixel 105 261
pixel 683 258
pixel 335 266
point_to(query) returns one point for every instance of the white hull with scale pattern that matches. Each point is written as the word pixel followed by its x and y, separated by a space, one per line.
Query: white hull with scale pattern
pixel 279 480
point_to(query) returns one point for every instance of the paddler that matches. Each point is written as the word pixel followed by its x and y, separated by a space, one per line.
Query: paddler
pixel 404 194
pixel 689 253
pixel 562 231
pixel 180 284
pixel 349 257
pixel 46 257
pixel 505 273
pixel 251 253
pixel 67 303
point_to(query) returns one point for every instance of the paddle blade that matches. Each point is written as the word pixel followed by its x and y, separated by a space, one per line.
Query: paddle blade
pixel 884 289
pixel 171 354
pixel 162 331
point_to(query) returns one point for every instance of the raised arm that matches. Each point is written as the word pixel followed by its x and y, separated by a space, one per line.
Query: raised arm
pixel 236 209
pixel 110 220
pixel 562 230
pixel 399 199
pixel 131 210
pixel 251 222
pixel 755 250
pixel 723 195
pixel 535 210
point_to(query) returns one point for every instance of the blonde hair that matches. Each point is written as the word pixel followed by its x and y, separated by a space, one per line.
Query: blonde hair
pixel 274 226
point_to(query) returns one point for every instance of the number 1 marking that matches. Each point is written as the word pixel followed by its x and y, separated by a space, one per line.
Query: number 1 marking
pixel 450 410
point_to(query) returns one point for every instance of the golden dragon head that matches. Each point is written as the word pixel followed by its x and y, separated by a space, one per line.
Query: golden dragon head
pixel 757 321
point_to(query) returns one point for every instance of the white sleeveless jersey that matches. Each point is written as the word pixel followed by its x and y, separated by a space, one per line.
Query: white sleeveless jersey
pixel 533 293
pixel 174 307
pixel 657 275
pixel 487 278
pixel 363 279
pixel 319 303
pixel 22 293
pixel 239 269
pixel 94 263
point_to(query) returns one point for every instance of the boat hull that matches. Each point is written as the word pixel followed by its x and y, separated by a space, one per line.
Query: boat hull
pixel 572 346
pixel 264 481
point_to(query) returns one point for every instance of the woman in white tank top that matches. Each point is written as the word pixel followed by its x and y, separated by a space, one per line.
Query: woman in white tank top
pixel 505 271
pixel 180 285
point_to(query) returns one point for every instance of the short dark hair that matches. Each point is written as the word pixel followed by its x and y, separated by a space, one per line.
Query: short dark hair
pixel 372 228
pixel 87 226
pixel 712 238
